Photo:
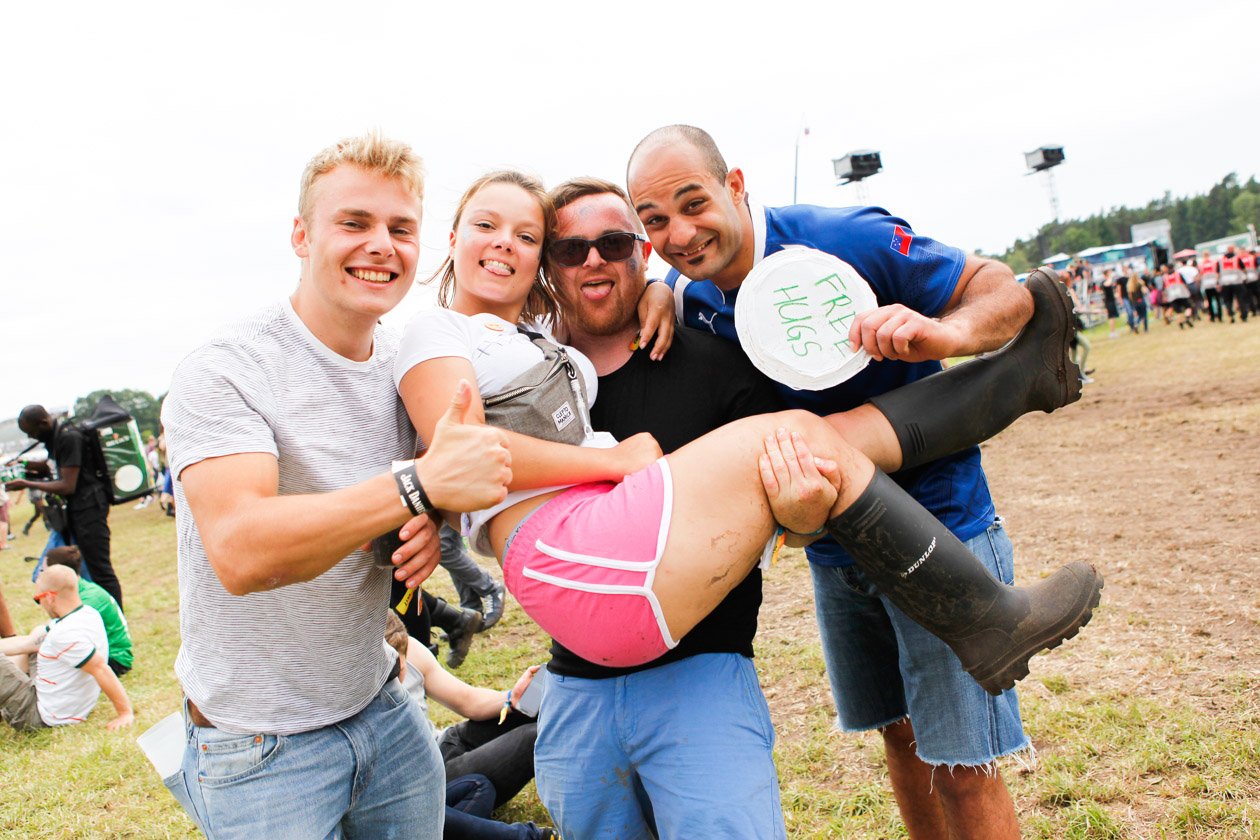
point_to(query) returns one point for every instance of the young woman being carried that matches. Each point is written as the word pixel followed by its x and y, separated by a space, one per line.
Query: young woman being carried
pixel 618 552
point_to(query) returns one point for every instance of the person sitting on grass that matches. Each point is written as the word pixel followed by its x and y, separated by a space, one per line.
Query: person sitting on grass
pixel 54 675
pixel 488 760
pixel 116 629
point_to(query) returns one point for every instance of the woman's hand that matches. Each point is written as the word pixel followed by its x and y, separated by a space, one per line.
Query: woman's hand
pixel 656 319
pixel 635 452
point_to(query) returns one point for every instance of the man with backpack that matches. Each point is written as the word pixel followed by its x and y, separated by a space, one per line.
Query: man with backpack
pixel 82 482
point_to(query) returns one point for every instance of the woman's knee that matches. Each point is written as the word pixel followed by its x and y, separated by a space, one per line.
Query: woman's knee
pixel 807 423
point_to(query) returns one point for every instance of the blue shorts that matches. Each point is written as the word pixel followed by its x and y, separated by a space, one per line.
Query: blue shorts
pixel 685 747
pixel 884 667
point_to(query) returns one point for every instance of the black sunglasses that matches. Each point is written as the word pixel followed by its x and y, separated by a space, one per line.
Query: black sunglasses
pixel 612 247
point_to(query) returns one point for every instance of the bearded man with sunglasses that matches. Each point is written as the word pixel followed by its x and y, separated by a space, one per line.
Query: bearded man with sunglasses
pixel 681 746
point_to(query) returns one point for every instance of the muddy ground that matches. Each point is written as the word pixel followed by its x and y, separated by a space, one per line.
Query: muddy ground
pixel 1154 476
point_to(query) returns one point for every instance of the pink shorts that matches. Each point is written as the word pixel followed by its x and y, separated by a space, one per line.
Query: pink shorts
pixel 582 567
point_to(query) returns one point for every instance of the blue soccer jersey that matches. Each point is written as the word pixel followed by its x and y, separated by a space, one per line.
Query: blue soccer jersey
pixel 901 267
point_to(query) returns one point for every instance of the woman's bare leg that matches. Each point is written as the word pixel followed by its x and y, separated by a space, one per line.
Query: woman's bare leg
pixel 720 518
pixel 973 401
pixel 867 430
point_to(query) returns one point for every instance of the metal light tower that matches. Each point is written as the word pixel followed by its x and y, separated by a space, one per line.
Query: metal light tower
pixel 1044 159
pixel 796 164
pixel 855 167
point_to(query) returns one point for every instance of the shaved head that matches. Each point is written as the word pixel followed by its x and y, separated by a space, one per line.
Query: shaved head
pixel 33 419
pixel 32 414
pixel 59 579
pixel 689 135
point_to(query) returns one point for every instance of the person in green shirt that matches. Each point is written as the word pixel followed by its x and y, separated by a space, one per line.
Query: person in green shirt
pixel 120 654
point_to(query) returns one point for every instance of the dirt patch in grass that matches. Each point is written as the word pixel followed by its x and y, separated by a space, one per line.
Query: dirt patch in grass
pixel 1154 476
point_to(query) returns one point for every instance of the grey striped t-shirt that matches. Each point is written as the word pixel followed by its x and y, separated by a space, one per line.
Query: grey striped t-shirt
pixel 309 654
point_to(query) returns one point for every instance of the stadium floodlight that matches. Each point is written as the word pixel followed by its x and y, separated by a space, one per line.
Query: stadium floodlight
pixel 856 165
pixel 1043 159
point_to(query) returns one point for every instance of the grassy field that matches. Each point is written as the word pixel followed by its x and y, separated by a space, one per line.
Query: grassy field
pixel 1147 726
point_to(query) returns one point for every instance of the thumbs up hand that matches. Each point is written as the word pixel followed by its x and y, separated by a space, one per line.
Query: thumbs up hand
pixel 467 466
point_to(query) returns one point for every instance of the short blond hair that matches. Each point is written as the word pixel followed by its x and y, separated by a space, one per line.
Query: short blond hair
pixel 371 151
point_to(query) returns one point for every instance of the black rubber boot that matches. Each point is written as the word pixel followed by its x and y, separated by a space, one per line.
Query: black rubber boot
pixel 930 575
pixel 973 401
pixel 460 626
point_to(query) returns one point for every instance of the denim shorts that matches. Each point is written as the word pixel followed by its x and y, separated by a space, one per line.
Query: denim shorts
pixel 884 667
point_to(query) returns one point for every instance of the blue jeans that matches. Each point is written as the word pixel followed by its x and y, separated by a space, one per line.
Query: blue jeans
pixel 55 540
pixel 374 775
pixel 471 581
pixel 1129 314
pixel 469 803
pixel 883 667
pixel 684 750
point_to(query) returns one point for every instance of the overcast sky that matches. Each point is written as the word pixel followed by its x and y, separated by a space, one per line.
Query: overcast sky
pixel 150 151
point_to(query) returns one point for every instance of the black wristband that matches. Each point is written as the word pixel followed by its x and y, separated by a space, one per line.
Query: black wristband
pixel 410 492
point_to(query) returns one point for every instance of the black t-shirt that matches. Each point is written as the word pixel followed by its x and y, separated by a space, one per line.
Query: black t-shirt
pixel 70 449
pixel 702 383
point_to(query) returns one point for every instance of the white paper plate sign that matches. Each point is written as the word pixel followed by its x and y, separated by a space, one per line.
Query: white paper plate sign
pixel 793 316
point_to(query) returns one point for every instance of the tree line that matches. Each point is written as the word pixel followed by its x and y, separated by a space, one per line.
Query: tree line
pixel 141 405
pixel 1227 208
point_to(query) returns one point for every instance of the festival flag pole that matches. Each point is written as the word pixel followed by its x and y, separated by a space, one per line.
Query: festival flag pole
pixel 796 166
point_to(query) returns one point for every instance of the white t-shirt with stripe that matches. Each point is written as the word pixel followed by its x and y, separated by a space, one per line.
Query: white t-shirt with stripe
pixel 64 694
pixel 309 654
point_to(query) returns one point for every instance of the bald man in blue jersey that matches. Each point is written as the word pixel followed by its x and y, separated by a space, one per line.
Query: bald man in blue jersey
pixel 936 302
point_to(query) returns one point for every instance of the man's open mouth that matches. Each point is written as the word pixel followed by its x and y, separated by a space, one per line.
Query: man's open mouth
pixel 371 276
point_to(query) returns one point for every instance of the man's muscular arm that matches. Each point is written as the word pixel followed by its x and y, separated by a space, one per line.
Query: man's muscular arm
pixel 985 311
pixel 258 540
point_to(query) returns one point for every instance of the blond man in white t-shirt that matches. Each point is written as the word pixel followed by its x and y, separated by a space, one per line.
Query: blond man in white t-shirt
pixel 280 435
pixel 54 675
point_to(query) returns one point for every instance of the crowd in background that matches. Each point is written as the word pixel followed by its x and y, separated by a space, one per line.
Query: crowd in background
pixel 1184 292
pixel 1224 286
